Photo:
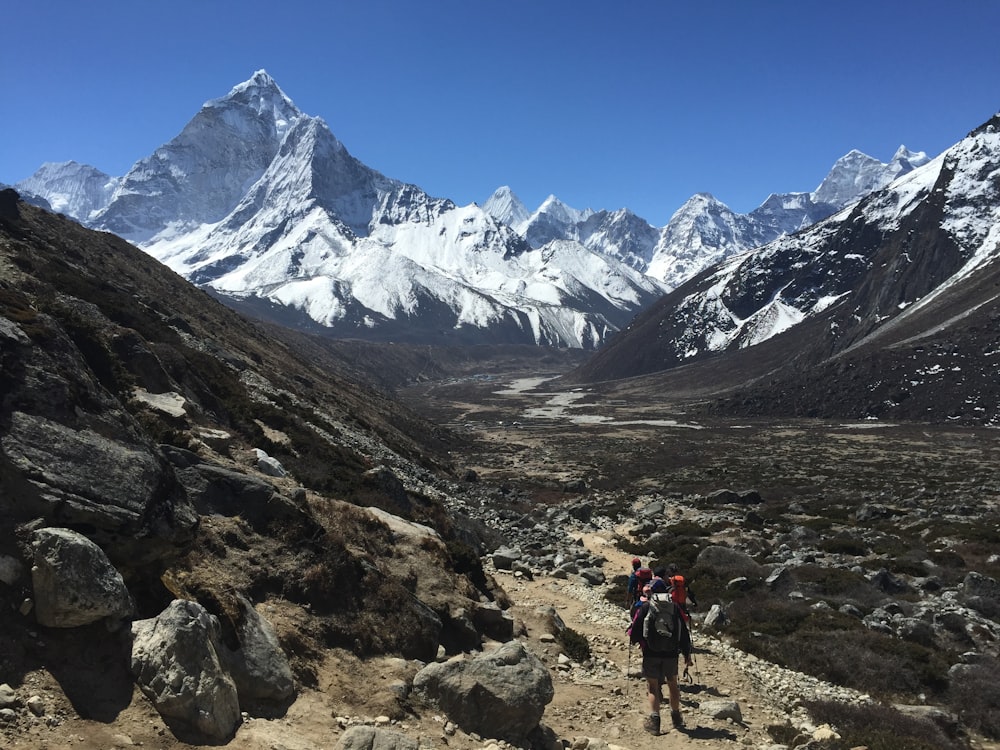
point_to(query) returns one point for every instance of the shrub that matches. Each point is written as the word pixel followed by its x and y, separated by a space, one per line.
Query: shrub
pixel 843 544
pixel 575 646
pixel 837 584
pixel 837 648
pixel 975 697
pixel 879 727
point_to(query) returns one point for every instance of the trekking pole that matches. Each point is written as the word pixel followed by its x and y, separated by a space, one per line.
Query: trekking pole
pixel 628 669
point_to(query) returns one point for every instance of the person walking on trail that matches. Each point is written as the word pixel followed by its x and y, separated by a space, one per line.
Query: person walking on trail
pixel 680 591
pixel 642 577
pixel 633 590
pixel 663 636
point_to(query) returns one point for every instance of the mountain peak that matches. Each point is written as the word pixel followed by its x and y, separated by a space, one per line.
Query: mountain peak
pixel 506 207
pixel 856 174
pixel 261 95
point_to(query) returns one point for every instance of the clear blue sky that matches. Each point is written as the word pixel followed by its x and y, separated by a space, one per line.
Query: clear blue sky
pixel 637 104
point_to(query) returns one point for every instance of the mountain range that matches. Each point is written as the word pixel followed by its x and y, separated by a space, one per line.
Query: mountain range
pixel 886 309
pixel 262 205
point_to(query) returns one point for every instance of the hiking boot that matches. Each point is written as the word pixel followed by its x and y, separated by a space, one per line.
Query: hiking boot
pixel 677 719
pixel 652 724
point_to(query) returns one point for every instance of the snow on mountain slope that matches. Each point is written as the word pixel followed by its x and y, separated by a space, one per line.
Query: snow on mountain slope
pixel 506 207
pixel 199 176
pixel 74 189
pixel 856 174
pixel 254 198
pixel 704 230
pixel 260 202
pixel 905 263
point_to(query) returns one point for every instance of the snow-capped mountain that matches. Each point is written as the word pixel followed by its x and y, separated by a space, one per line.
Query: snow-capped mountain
pixel 507 208
pixel 553 220
pixel 199 177
pixel 857 174
pixel 70 188
pixel 262 204
pixel 704 230
pixel 894 293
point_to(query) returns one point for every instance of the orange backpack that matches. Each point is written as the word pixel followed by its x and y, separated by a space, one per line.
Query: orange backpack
pixel 678 590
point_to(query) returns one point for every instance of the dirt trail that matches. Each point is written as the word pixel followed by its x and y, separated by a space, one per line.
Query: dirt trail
pixel 600 703
pixel 612 709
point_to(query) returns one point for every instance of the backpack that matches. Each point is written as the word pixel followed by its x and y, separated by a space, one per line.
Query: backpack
pixel 662 627
pixel 677 589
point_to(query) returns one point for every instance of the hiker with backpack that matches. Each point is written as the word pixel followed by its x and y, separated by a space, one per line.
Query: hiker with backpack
pixel 662 634
pixel 680 591
pixel 634 588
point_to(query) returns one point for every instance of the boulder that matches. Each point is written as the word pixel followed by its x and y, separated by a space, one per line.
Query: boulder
pixel 723 497
pixel 501 693
pixel 259 667
pixel 493 622
pixel 716 617
pixel 123 491
pixel 550 617
pixel 214 489
pixel 982 594
pixel 721 710
pixel 593 576
pixel 175 661
pixel 728 561
pixel 74 582
pixel 505 557
pixel 374 738
pixel 268 464
pixel 889 583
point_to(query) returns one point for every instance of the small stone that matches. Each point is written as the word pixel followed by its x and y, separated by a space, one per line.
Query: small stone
pixel 36 705
pixel 8 698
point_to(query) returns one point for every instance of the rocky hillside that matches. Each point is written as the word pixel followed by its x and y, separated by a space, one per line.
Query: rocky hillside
pixel 157 448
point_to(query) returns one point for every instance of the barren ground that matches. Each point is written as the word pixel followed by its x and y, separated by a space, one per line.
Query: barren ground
pixel 616 447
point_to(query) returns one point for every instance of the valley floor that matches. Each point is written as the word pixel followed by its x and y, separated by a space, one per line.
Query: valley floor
pixel 544 441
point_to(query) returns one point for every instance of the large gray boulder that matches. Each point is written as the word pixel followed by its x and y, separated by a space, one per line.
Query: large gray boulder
pixel 259 667
pixel 175 661
pixel 74 582
pixel 373 738
pixel 728 562
pixel 500 693
pixel 982 594
pixel 216 490
pixel 122 490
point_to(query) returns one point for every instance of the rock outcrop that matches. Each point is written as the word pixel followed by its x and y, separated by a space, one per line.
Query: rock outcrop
pixel 500 693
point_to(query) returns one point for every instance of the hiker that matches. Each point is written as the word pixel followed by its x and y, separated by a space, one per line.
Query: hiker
pixel 680 591
pixel 660 652
pixel 643 598
pixel 661 574
pixel 632 592
pixel 642 578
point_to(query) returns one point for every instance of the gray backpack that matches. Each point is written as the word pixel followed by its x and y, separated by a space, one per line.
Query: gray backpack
pixel 662 627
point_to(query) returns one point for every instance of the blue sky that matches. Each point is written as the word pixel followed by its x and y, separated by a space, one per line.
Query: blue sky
pixel 638 104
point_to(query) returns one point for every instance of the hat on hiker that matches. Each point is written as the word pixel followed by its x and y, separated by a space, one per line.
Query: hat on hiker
pixel 636 562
